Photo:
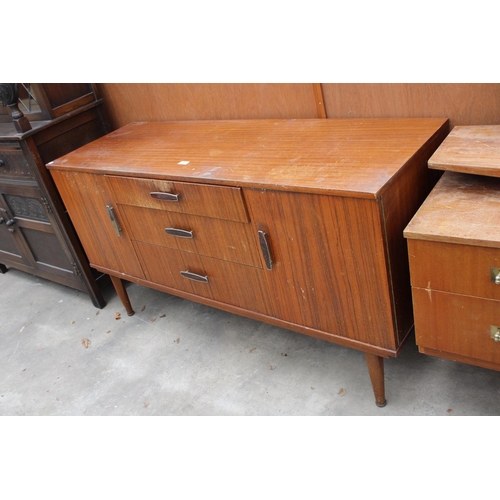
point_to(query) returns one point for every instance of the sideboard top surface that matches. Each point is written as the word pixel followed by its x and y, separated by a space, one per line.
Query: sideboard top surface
pixel 355 157
pixel 470 149
pixel 462 208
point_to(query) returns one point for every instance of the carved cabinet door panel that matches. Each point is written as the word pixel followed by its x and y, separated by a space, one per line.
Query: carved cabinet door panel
pixel 28 234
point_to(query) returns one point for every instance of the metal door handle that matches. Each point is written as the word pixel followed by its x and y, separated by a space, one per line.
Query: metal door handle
pixel 264 247
pixel 112 217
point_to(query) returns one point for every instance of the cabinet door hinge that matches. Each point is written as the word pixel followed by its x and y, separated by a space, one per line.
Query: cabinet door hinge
pixel 47 205
pixel 76 269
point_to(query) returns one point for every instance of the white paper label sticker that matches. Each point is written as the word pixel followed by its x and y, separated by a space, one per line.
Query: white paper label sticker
pixel 183 163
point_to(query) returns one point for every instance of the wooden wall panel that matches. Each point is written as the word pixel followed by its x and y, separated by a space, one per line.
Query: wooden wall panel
pixel 462 103
pixel 126 102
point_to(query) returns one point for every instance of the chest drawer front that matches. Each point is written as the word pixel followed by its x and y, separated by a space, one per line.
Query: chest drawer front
pixel 226 282
pixel 13 161
pixel 220 202
pixel 222 239
pixel 457 324
pixel 454 268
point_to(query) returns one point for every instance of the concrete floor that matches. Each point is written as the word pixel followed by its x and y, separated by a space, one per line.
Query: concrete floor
pixel 62 356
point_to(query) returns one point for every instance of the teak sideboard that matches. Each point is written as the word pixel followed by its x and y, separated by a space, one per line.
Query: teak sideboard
pixel 297 223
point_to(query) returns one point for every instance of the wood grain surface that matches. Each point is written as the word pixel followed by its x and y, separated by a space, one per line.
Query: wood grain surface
pixel 222 239
pixel 228 283
pixel 457 324
pixel 448 267
pixel 197 199
pixel 462 208
pixel 462 103
pixel 129 102
pixel 329 270
pixel 348 157
pixel 473 150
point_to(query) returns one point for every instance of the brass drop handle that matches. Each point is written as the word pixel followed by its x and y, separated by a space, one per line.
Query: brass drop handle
pixel 495 333
pixel 495 275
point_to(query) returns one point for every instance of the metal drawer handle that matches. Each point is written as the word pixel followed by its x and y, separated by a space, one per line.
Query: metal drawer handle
pixel 495 333
pixel 2 164
pixel 495 275
pixel 112 217
pixel 164 196
pixel 194 277
pixel 179 233
pixel 264 247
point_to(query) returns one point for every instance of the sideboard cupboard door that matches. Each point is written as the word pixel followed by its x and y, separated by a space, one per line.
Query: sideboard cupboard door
pixel 99 227
pixel 328 269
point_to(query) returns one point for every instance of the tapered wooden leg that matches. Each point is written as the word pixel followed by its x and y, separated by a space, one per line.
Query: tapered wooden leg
pixel 122 293
pixel 376 370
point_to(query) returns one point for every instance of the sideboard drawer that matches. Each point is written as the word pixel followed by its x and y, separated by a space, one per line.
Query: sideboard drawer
pixel 457 324
pixel 222 239
pixel 227 282
pixel 221 202
pixel 451 267
pixel 13 161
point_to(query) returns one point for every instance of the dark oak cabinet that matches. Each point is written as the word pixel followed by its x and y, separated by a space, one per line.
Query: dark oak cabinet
pixel 41 123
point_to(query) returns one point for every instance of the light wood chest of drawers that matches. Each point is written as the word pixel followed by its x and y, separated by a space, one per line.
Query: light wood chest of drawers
pixel 454 252
pixel 298 223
